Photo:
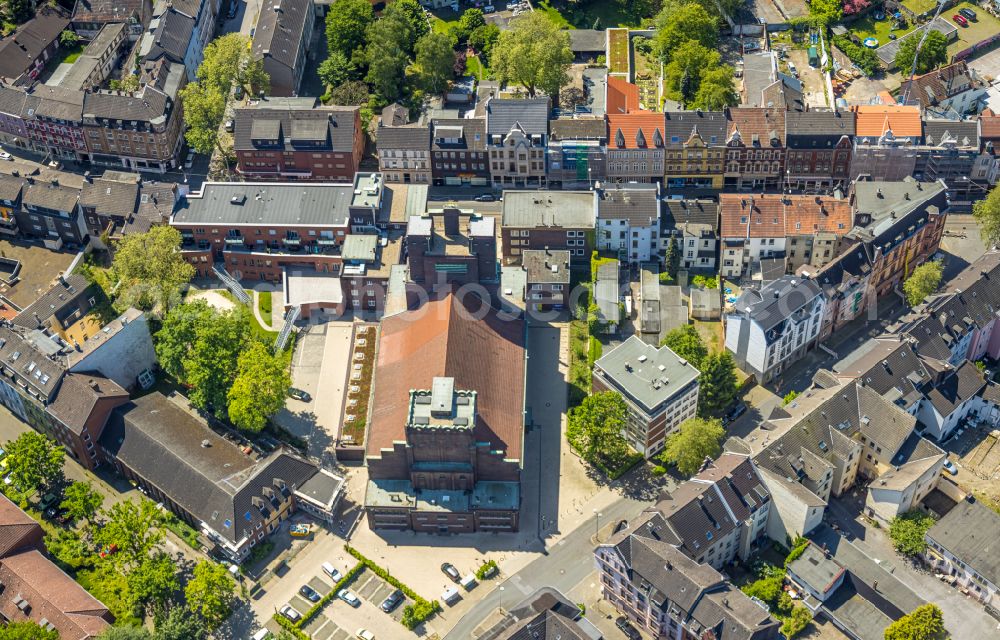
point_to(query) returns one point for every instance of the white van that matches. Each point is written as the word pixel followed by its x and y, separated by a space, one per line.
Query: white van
pixel 333 573
pixel 262 634
pixel 450 595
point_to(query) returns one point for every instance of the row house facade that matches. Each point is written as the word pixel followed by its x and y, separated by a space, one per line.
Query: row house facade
pixel 555 220
pixel 819 149
pixel 404 153
pixel 458 151
pixel 577 152
pixel 628 221
pixel 755 148
pixel 635 147
pixel 885 137
pixel 517 133
pixel 695 149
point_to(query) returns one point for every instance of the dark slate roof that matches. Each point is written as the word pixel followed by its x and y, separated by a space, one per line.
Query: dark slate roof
pixel 20 354
pixel 156 203
pixel 50 196
pixel 218 484
pixel 971 533
pixel 26 44
pixel 964 133
pixel 12 101
pixel 530 114
pixel 578 129
pixel 150 105
pixel 56 103
pixel 10 187
pixel 890 367
pixel 956 388
pixel 172 35
pixel 297 123
pixel 777 300
pixel 473 136
pixel 710 125
pixel 416 137
pixel 279 34
pixel 588 40
pixel 676 213
pixel 78 397
pixel 65 293
pixel 817 129
pixel 637 203
pixel 110 197
pixel 102 11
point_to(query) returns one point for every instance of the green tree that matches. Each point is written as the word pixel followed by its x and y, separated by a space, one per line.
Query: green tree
pixel 134 528
pixel 483 40
pixel 686 342
pixel 794 624
pixel 987 215
pixel 789 397
pixel 69 549
pixel 127 633
pixel 717 383
pixel 346 25
pixel 933 53
pixel 694 440
pixel 128 84
pixel 335 70
pixel 471 20
pixel 27 630
pixel 677 24
pixel 34 461
pixel 826 12
pixel 180 624
pixel 595 429
pixel 210 593
pixel 923 282
pixel 204 108
pixel 229 62
pixel 769 587
pixel 151 268
pixel 259 389
pixel 153 582
pixel 926 622
pixel 716 90
pixel 388 52
pixel 907 532
pixel 352 93
pixel 672 260
pixel 687 64
pixel 68 39
pixel 414 14
pixel 436 60
pixel 81 501
pixel 19 11
pixel 533 53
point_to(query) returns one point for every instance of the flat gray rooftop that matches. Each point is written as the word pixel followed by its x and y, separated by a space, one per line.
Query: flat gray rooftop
pixel 264 204
pixel 566 209
pixel 647 374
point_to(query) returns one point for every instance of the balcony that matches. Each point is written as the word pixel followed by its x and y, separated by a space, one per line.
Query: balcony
pixel 292 241
pixel 234 240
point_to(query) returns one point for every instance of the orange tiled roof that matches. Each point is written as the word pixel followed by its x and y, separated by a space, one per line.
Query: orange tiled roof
pixel 777 215
pixel 873 120
pixel 622 96
pixel 989 125
pixel 639 130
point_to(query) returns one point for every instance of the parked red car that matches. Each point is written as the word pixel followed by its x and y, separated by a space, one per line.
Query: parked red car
pixel 960 20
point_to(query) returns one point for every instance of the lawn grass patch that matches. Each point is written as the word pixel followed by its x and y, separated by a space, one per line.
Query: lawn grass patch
pixel 869 27
pixel 920 7
pixel 553 14
pixel 70 55
pixel 474 67
pixel 183 530
pixel 618 46
pixel 264 306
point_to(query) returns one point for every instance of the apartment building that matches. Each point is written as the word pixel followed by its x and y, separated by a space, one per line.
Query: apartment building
pixel 281 41
pixel 297 139
pixel 950 92
pixel 774 326
pixel 635 147
pixel 445 442
pixel 458 151
pixel 951 152
pixel 404 152
pixel 546 278
pixel 819 149
pixel 548 220
pixel 53 119
pixel 51 212
pixel 99 57
pixel 90 16
pixel 695 151
pixel 661 590
pixel 885 137
pixel 628 221
pixel 24 53
pixel 755 148
pixel 234 499
pixel 695 225
pixel 517 136
pixel 577 152
pixel 959 545
pixel 659 387
pixel 451 245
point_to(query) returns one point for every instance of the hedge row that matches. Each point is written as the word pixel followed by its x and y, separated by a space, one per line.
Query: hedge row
pixel 325 600
pixel 866 59
pixel 485 568
pixel 413 614
pixel 290 627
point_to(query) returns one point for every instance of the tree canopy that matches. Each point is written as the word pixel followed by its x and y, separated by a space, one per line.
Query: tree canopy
pixel 152 582
pixel 533 53
pixel 926 622
pixel 134 528
pixel 390 41
pixel 595 429
pixel 924 281
pixel 81 501
pixel 694 440
pixel 934 52
pixel 346 23
pixel 795 623
pixel 717 89
pixel 34 460
pixel 210 593
pixel 436 59
pixel 907 532
pixel 987 214
pixel 151 267
pixel 335 70
pixel 717 383
pixel 826 12
pixel 27 630
pixel 686 342
pixel 180 624
pixel 679 23
pixel 258 392
pixel 688 63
